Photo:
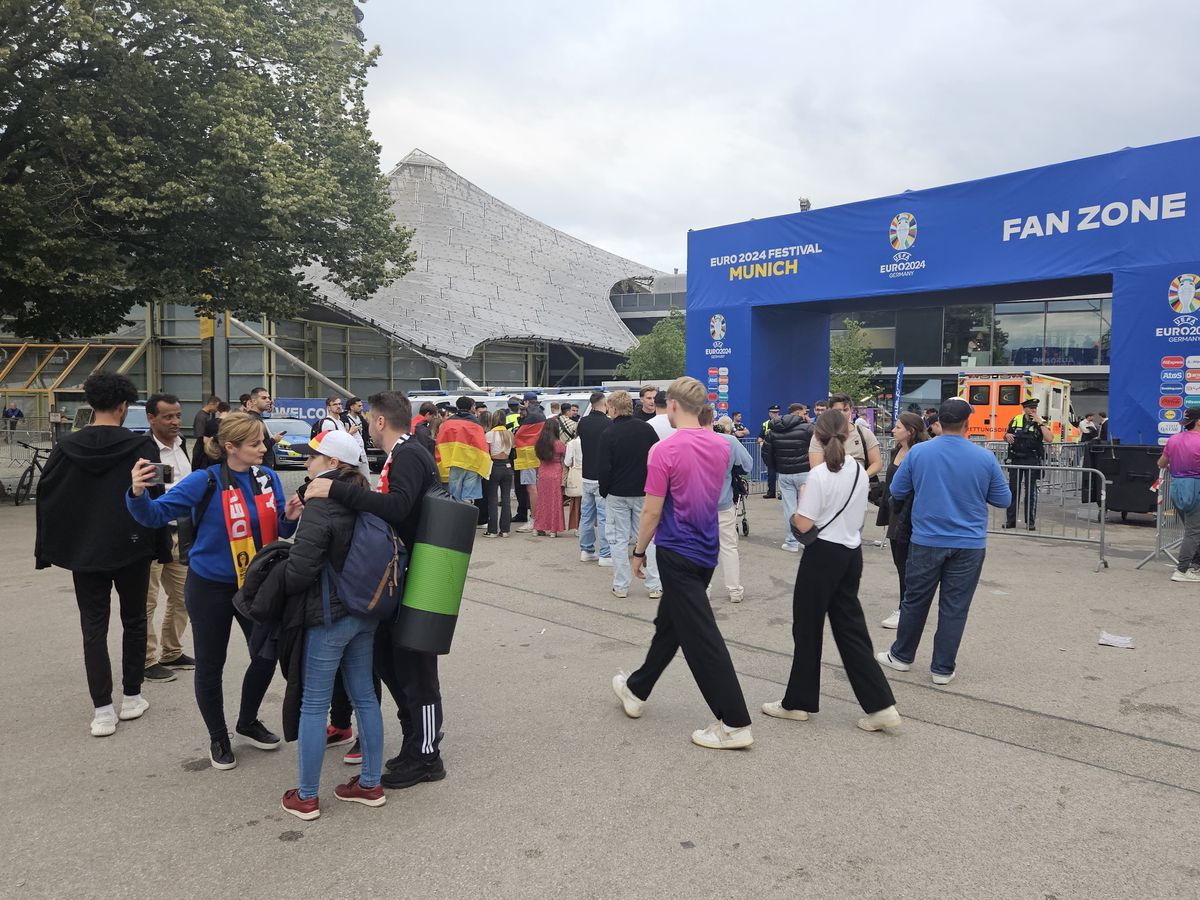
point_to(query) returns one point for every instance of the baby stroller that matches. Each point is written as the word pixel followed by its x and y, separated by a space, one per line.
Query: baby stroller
pixel 741 490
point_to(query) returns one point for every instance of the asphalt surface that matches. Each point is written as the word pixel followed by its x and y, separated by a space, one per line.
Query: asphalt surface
pixel 1051 768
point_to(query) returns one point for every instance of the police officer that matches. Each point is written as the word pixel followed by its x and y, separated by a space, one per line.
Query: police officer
pixel 512 421
pixel 1026 437
pixel 772 418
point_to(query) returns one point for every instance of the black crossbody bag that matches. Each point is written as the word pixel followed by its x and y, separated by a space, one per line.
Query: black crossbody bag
pixel 808 538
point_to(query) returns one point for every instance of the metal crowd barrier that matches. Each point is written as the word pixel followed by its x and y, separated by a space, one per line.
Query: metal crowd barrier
pixel 1063 510
pixel 1168 524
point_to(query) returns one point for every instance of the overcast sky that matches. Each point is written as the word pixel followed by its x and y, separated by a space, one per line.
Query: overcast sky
pixel 627 123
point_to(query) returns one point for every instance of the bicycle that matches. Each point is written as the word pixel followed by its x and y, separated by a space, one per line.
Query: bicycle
pixel 25 485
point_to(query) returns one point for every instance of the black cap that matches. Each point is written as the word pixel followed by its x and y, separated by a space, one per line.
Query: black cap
pixel 1032 401
pixel 954 411
pixel 774 407
pixel 1192 414
pixel 531 395
pixel 514 401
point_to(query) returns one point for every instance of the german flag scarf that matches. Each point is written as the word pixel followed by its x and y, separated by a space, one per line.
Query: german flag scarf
pixel 461 444
pixel 237 517
pixel 524 441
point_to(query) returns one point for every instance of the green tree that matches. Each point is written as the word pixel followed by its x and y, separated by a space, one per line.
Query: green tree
pixel 852 371
pixel 659 355
pixel 201 152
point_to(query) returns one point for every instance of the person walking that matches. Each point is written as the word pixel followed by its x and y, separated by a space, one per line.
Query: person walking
pixel 411 676
pixel 835 503
pixel 548 511
pixel 683 486
pixel 12 418
pixel 165 415
pixel 237 506
pixel 335 640
pixel 908 431
pixel 1181 456
pixel 624 451
pixel 499 495
pixel 727 530
pixel 593 542
pixel 82 526
pixel 951 482
pixel 785 450
pixel 763 431
pixel 1026 436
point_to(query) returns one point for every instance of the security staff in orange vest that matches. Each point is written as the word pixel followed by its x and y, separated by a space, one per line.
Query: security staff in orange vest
pixel 1026 437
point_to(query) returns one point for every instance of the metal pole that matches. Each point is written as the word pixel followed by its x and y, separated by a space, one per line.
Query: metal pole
pixel 457 373
pixel 295 361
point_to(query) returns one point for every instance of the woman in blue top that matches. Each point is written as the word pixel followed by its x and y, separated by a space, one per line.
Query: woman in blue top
pixel 237 507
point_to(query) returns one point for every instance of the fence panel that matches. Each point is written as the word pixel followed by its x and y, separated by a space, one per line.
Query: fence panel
pixel 1168 524
pixel 1065 501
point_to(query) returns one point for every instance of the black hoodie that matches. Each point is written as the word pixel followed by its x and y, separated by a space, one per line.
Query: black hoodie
pixel 82 522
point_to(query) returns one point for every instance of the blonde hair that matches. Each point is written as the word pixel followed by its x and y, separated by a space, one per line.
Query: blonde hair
pixel 620 403
pixel 236 428
pixel 725 425
pixel 689 394
pixel 647 388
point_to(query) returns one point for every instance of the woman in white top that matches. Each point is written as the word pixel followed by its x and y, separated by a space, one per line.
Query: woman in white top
pixel 573 482
pixel 499 486
pixel 834 501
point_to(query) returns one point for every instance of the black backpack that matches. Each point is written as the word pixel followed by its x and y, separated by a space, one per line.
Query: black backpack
pixel 319 425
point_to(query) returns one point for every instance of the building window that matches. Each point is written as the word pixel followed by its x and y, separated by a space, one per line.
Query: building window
pixel 1019 336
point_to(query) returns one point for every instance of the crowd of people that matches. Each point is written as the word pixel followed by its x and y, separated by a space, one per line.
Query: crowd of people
pixel 652 483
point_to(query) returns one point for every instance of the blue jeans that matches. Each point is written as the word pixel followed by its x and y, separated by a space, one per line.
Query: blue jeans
pixel 349 643
pixel 957 570
pixel 789 489
pixel 464 485
pixel 591 520
pixel 621 526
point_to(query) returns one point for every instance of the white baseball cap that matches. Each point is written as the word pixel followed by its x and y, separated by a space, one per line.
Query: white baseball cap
pixel 336 444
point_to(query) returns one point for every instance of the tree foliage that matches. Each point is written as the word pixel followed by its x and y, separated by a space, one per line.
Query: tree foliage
pixel 852 371
pixel 200 152
pixel 659 355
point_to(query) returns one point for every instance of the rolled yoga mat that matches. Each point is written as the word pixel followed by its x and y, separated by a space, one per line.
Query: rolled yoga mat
pixel 437 573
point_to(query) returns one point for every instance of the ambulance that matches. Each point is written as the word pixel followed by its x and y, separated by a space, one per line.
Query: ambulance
pixel 997 398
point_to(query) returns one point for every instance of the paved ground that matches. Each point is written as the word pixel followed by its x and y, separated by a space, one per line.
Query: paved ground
pixel 1051 768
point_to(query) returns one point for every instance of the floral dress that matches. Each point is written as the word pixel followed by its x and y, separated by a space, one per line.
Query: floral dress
pixel 549 513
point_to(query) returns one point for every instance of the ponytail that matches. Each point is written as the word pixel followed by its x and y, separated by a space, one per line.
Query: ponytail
pixel 831 435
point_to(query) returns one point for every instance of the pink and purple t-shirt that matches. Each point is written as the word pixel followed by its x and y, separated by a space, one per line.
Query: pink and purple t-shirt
pixel 1183 453
pixel 687 470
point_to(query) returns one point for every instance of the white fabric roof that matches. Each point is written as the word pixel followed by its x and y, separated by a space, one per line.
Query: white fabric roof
pixel 487 272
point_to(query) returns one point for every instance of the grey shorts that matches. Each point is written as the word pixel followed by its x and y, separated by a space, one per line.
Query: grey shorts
pixel 529 476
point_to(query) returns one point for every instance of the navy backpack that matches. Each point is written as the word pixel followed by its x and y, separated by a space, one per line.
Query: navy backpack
pixel 372 578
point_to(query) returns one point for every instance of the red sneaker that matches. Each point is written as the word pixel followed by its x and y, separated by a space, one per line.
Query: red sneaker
pixel 353 792
pixel 301 809
pixel 336 737
pixel 353 756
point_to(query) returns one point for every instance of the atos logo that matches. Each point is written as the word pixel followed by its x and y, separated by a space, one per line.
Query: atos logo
pixel 1174 375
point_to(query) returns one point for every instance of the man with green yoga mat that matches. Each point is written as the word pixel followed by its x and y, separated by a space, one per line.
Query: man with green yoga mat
pixel 411 677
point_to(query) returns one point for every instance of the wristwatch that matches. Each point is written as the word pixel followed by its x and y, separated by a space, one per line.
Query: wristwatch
pixel 641 555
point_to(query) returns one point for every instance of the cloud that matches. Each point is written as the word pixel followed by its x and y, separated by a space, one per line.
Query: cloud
pixel 626 124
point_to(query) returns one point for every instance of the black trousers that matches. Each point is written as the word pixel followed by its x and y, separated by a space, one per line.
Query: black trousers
pixel 340 706
pixel 210 609
pixel 522 492
pixel 1023 485
pixel 498 493
pixel 827 585
pixel 93 595
pixel 481 504
pixel 771 478
pixel 900 561
pixel 685 621
pixel 412 680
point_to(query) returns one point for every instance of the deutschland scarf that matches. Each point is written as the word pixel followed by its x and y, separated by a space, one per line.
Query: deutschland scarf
pixel 237 517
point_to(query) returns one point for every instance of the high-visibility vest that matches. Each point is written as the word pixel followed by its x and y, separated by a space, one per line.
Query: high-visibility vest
pixel 512 421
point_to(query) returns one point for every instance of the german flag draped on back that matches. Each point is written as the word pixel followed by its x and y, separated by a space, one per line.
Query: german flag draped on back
pixel 461 444
pixel 524 440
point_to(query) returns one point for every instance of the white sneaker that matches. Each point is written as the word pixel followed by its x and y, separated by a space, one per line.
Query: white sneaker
pixel 892 621
pixel 775 708
pixel 790 548
pixel 584 556
pixel 1189 575
pixel 942 679
pixel 527 528
pixel 737 595
pixel 605 562
pixel 632 704
pixel 718 736
pixel 878 721
pixel 104 723
pixel 886 659
pixel 655 594
pixel 133 707
pixel 620 593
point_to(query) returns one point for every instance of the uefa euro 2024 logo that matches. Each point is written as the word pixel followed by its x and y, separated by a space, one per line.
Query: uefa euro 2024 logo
pixel 903 233
pixel 716 327
pixel 1183 294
